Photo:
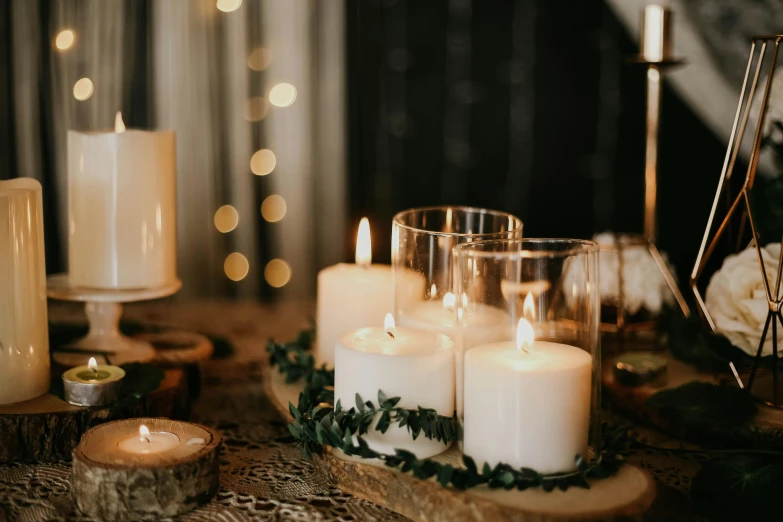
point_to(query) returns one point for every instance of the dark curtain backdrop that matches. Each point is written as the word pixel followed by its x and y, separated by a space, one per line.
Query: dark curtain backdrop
pixel 529 106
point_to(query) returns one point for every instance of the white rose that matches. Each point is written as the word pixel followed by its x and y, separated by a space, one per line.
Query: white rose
pixel 737 302
pixel 644 286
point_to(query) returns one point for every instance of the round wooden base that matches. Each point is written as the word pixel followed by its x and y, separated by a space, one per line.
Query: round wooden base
pixel 110 484
pixel 48 428
pixel 627 496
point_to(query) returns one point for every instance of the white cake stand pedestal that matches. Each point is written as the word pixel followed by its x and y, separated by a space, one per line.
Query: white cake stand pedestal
pixel 104 310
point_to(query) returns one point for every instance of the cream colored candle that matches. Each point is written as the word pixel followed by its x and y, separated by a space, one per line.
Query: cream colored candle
pixel 352 296
pixel 149 443
pixel 122 208
pixel 416 366
pixel 478 324
pixel 527 403
pixel 24 341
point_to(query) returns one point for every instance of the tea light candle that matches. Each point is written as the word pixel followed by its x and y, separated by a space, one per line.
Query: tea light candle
pixel 478 324
pixel 122 230
pixel 527 403
pixel 147 443
pixel 352 296
pixel 145 469
pixel 93 384
pixel 414 365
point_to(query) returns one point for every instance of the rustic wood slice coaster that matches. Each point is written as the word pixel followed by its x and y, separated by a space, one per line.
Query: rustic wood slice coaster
pixel 627 496
pixel 110 484
pixel 633 400
pixel 176 347
pixel 48 428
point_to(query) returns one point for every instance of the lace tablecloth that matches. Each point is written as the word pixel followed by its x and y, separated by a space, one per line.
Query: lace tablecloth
pixel 263 477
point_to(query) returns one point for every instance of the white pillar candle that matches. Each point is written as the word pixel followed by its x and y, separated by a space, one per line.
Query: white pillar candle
pixel 527 403
pixel 24 340
pixel 122 208
pixel 416 366
pixel 146 443
pixel 478 324
pixel 352 296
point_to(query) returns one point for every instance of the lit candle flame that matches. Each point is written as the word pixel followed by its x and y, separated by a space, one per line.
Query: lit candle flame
pixel 144 433
pixel 433 291
pixel 449 300
pixel 388 322
pixel 119 125
pixel 92 364
pixel 364 244
pixel 525 335
pixel 529 308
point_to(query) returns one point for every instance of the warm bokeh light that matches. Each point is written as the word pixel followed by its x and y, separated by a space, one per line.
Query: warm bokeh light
pixel 83 89
pixel 273 208
pixel 363 244
pixel 228 5
pixel 388 322
pixel 256 109
pixel 259 59
pixel 449 300
pixel 277 273
pixel 525 334
pixel 226 218
pixel 236 266
pixel 282 95
pixel 263 162
pixel 119 125
pixel 64 39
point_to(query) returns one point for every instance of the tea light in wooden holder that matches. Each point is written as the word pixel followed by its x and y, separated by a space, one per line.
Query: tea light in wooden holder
pixel 93 385
pixel 145 469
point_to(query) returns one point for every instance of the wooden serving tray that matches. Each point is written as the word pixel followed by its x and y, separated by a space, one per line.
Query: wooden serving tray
pixel 626 496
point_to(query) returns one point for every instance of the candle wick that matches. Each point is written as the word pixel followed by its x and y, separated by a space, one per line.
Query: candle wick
pixel 145 439
pixel 390 335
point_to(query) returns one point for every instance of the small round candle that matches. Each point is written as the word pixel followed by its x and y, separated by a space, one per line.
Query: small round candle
pixel 148 443
pixel 93 384
pixel 527 404
pixel 414 365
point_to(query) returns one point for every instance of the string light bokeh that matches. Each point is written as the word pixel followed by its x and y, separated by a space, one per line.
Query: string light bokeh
pixel 226 219
pixel 83 89
pixel 282 95
pixel 228 6
pixel 65 39
pixel 259 59
pixel 256 109
pixel 263 162
pixel 273 208
pixel 236 266
pixel 277 273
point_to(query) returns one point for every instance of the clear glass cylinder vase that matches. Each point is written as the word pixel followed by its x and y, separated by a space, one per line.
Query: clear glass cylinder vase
pixel 530 398
pixel 422 243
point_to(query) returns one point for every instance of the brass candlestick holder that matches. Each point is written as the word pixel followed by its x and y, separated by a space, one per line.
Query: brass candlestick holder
pixel 742 203
pixel 655 53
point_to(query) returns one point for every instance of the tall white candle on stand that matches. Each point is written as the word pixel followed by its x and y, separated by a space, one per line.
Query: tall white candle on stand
pixel 527 403
pixel 352 296
pixel 122 208
pixel 24 339
pixel 414 365
pixel 477 324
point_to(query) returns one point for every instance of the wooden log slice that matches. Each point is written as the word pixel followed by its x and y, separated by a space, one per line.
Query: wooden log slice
pixel 627 496
pixel 47 428
pixel 110 484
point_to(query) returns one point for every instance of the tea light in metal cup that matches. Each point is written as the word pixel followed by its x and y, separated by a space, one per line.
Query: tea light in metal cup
pixel 93 384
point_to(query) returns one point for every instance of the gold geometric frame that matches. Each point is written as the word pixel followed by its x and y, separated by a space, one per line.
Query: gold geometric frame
pixel 774 300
